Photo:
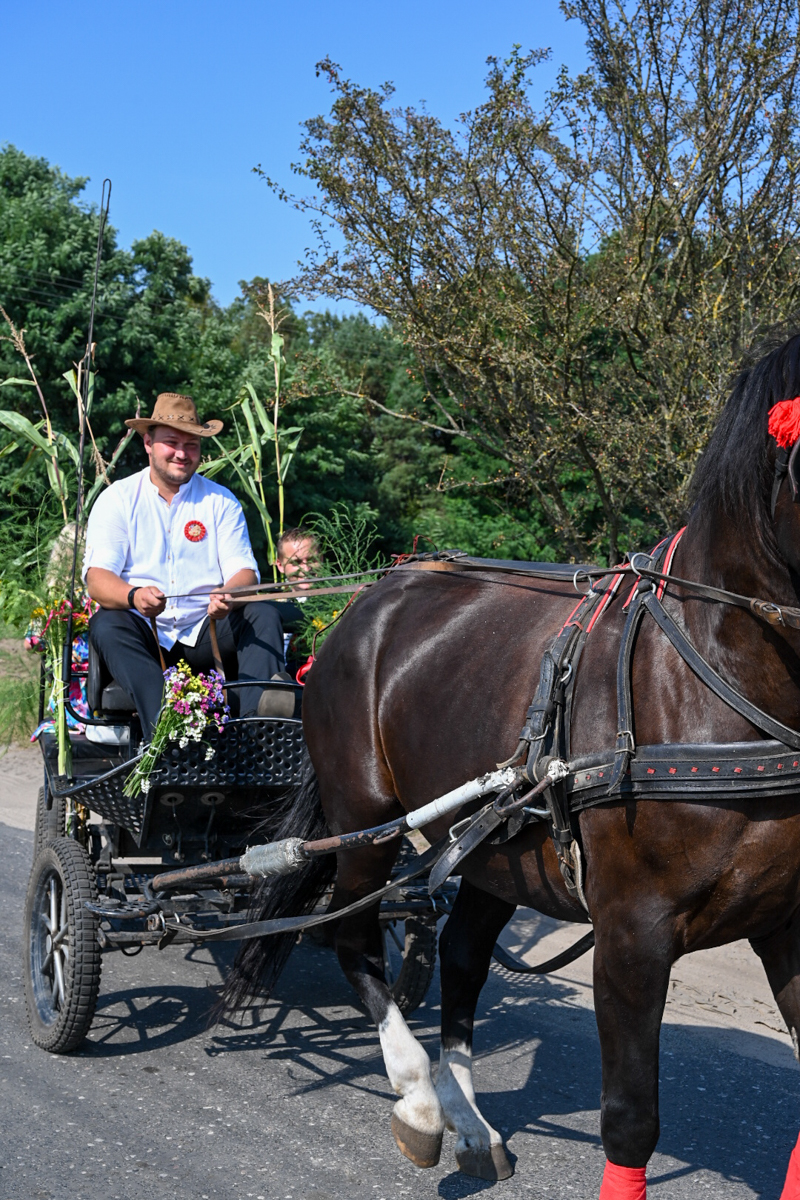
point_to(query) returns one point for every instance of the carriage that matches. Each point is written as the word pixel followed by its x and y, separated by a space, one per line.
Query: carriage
pixel 97 852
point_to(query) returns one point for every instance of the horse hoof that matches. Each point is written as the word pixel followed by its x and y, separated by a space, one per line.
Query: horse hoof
pixel 422 1148
pixel 490 1164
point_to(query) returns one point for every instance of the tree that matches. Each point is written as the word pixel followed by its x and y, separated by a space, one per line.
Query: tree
pixel 576 285
pixel 157 327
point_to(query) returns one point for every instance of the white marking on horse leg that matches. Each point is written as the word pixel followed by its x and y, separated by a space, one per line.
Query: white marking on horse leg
pixel 456 1092
pixel 409 1071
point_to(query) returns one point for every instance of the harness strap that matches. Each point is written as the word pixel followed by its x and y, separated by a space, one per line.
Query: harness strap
pixel 509 963
pixel 480 826
pixel 732 697
pixel 625 746
pixel 766 610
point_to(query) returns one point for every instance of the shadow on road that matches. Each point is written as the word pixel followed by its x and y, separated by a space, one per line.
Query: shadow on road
pixel 726 1114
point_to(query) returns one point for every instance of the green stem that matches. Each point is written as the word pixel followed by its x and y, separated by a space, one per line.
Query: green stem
pixel 62 733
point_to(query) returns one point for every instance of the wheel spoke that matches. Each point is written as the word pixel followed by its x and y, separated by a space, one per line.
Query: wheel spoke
pixel 51 920
pixel 58 985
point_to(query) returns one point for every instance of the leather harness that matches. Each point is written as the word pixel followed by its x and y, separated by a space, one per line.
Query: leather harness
pixel 725 771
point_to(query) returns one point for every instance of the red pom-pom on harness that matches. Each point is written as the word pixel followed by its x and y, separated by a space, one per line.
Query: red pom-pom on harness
pixel 623 1183
pixel 784 422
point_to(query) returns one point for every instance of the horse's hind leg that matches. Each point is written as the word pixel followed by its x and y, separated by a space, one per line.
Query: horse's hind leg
pixel 466 950
pixel 417 1120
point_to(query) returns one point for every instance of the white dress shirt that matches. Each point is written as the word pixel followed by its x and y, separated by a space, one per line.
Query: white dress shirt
pixel 135 533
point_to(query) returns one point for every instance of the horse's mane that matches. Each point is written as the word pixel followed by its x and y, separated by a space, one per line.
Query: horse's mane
pixel 734 474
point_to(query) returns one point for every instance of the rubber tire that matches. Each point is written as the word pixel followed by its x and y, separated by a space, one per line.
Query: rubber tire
pixel 419 963
pixel 50 823
pixel 61 1028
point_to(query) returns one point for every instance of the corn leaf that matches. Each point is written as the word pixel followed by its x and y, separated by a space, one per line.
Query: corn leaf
pixel 21 427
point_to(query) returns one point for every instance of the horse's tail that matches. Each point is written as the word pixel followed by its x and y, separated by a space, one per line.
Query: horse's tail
pixel 260 961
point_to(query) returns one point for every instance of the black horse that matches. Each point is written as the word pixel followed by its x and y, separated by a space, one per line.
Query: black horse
pixel 425 684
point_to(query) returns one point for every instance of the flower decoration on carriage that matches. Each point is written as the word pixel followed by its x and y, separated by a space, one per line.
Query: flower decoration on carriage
pixel 784 422
pixel 192 707
pixel 47 627
pixel 46 632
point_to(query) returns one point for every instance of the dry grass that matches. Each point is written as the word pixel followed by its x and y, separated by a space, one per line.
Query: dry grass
pixel 19 691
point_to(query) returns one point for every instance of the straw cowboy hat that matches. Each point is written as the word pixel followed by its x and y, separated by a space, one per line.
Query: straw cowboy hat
pixel 173 409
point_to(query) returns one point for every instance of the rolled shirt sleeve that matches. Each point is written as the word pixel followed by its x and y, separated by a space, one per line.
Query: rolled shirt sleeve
pixel 233 542
pixel 107 536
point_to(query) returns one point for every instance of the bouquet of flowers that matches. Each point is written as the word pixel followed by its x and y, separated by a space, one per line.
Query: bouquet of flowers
pixel 46 634
pixel 192 704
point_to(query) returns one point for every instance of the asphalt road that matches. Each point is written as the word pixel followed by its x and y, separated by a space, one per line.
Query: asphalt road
pixel 293 1104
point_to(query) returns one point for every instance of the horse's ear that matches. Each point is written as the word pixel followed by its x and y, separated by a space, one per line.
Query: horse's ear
pixel 784 422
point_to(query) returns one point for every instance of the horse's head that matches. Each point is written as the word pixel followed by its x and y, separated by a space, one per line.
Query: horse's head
pixel 748 480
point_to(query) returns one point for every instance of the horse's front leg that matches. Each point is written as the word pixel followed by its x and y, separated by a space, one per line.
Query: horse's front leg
pixel 417 1120
pixel 632 960
pixel 780 954
pixel 465 949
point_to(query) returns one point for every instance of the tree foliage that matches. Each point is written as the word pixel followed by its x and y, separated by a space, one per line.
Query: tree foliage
pixel 575 285
pixel 158 329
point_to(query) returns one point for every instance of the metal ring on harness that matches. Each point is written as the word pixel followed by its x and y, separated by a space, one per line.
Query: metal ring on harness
pixel 575 582
pixel 639 554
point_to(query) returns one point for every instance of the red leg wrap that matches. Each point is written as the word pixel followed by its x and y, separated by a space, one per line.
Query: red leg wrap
pixel 626 1183
pixel 791 1189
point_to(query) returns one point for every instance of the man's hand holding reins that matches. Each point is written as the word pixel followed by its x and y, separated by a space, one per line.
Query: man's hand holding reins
pixel 149 601
pixel 112 592
pixel 221 603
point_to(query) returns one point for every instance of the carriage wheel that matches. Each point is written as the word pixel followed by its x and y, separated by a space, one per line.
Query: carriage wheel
pixel 409 960
pixel 62 953
pixel 50 823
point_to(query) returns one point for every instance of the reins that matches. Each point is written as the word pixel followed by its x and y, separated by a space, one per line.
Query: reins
pixel 765 610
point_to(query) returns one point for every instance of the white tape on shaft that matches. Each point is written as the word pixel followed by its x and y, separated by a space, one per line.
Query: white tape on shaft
pixel 494 782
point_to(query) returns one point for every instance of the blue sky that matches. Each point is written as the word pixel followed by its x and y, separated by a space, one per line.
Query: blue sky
pixel 176 101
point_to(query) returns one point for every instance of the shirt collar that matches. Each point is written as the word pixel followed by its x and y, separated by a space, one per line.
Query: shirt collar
pixel 182 493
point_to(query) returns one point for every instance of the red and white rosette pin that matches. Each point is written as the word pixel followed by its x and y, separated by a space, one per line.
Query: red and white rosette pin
pixel 195 531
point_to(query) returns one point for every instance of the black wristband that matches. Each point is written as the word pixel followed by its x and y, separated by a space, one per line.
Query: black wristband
pixel 131 594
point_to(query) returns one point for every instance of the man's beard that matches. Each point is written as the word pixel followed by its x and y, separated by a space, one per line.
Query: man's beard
pixel 163 471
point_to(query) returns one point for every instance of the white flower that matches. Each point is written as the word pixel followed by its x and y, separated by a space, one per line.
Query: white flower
pixel 209 752
pixel 183 743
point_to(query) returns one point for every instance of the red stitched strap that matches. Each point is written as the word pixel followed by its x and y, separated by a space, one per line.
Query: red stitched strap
pixel 791 1188
pixel 624 1183
pixel 668 557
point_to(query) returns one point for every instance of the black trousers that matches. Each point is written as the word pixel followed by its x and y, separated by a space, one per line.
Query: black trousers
pixel 250 643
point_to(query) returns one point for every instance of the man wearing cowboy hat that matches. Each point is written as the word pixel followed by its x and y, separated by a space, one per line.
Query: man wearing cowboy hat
pixel 156 543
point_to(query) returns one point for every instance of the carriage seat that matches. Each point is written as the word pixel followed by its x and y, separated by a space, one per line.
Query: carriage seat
pixel 103 693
